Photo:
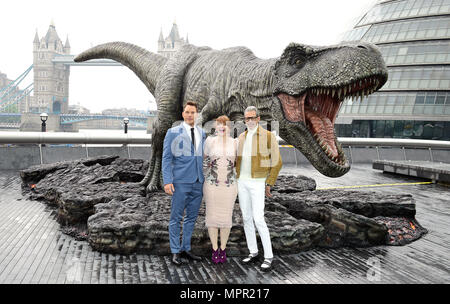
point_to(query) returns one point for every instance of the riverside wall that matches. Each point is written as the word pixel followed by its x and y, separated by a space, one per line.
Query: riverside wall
pixel 21 157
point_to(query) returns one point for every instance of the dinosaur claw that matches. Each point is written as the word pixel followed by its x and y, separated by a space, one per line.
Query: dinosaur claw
pixel 152 188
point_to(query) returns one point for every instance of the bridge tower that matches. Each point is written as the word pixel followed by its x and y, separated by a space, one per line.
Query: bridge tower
pixel 172 43
pixel 51 80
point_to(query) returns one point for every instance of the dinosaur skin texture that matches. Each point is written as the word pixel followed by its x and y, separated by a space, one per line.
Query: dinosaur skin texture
pixel 301 91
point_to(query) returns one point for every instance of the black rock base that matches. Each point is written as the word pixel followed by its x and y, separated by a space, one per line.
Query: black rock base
pixel 99 200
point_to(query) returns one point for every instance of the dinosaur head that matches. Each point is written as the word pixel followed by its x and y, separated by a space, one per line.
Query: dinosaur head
pixel 310 86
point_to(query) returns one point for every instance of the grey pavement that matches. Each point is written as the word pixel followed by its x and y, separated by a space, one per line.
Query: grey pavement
pixel 34 250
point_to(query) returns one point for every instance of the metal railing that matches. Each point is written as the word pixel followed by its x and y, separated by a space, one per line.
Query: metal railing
pixel 393 142
pixel 145 139
pixel 73 138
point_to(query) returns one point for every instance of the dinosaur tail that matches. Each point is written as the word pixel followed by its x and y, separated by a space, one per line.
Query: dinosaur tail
pixel 146 65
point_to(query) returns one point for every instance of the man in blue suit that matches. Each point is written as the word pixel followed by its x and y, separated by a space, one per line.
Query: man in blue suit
pixel 183 179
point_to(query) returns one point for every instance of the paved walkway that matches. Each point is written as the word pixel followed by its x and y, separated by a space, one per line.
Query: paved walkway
pixel 34 250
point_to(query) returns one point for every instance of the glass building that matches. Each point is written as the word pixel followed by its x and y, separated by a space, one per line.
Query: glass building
pixel 414 39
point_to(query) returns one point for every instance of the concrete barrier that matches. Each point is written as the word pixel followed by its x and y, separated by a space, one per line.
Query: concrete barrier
pixel 22 157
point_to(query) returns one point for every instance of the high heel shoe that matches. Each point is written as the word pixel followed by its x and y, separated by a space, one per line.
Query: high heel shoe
pixel 222 256
pixel 215 256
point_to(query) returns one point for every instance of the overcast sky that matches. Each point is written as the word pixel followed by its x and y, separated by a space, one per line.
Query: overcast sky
pixel 266 27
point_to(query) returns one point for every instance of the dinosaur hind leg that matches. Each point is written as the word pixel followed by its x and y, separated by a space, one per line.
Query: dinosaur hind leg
pixel 146 179
pixel 155 179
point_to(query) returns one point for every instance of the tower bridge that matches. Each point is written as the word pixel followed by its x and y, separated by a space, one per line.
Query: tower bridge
pixel 51 68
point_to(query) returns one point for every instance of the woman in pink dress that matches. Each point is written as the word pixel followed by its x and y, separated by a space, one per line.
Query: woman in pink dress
pixel 219 188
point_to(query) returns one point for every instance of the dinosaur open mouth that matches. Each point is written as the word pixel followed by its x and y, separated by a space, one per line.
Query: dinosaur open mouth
pixel 318 107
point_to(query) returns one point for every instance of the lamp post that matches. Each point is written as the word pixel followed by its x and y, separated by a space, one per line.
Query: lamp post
pixel 125 124
pixel 44 117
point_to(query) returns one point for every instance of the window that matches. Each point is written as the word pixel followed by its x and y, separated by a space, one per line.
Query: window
pixel 426 78
pixel 379 131
pixel 417 29
pixel 398 128
pixel 430 99
pixel 440 99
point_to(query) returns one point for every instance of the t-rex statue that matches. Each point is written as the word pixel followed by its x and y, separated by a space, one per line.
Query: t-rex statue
pixel 302 90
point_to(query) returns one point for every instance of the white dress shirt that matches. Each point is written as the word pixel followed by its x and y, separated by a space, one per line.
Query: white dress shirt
pixel 197 135
pixel 246 163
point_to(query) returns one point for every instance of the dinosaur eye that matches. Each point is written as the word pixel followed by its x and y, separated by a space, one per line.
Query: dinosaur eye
pixel 298 59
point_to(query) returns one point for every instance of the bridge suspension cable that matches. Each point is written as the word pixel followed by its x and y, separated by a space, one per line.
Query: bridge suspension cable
pixel 13 84
pixel 11 94
pixel 20 94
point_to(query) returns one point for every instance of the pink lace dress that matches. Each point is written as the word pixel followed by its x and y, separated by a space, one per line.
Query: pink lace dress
pixel 220 186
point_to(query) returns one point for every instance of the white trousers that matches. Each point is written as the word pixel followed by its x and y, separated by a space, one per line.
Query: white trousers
pixel 251 200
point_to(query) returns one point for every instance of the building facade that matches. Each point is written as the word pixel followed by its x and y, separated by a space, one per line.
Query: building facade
pixel 4 81
pixel 414 39
pixel 172 43
pixel 78 109
pixel 51 80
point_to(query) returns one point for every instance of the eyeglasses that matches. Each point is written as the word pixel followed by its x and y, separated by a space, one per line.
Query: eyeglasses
pixel 254 118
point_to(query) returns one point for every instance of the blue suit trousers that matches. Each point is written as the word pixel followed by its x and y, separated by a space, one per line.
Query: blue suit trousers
pixel 187 196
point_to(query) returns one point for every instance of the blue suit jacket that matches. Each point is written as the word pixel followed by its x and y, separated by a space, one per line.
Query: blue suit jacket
pixel 180 164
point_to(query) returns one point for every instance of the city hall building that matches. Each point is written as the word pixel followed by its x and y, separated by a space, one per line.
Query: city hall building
pixel 414 39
